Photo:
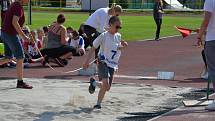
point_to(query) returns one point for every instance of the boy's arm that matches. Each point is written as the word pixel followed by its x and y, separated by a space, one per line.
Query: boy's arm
pixel 86 63
pixel 123 45
pixel 97 42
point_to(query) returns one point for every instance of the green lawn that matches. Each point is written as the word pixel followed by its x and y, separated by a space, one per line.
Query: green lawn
pixel 134 27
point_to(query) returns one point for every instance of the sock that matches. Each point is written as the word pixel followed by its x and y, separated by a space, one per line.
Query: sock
pixel 98 103
pixel 94 83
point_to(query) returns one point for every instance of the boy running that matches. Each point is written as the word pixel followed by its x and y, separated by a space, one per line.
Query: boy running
pixel 110 50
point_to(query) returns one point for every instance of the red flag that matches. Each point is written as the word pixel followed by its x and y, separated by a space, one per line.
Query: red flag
pixel 184 31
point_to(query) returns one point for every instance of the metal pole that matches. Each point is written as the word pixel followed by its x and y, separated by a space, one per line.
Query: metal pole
pixel 29 12
pixel 90 6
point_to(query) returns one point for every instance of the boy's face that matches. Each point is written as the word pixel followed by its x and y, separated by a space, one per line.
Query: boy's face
pixel 40 33
pixel 116 27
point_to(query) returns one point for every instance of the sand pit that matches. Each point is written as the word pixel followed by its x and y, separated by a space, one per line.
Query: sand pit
pixel 69 100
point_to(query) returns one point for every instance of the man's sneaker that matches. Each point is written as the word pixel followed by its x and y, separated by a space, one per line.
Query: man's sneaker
pixel 97 107
pixel 211 107
pixel 23 85
pixel 92 88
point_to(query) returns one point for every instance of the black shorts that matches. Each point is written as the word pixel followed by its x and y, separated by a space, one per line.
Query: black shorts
pixel 58 52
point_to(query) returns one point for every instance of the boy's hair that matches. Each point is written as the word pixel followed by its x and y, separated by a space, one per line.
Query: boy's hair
pixel 114 19
pixel 40 30
pixel 75 33
pixel 69 28
pixel 45 29
pixel 26 29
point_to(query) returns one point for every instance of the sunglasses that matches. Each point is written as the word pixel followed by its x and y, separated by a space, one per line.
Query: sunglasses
pixel 118 27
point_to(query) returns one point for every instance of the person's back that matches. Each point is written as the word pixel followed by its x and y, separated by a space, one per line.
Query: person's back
pixel 54 36
pixel 98 18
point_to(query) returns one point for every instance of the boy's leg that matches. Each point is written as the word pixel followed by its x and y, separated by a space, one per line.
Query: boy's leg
pixel 111 77
pixel 104 85
pixel 102 91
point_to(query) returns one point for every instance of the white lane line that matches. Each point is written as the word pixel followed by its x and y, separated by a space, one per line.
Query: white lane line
pixel 172 36
pixel 137 77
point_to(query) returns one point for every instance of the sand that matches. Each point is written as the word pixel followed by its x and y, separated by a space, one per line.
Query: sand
pixel 69 100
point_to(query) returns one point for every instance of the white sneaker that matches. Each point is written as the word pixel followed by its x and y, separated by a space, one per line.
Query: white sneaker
pixel 205 76
pixel 211 107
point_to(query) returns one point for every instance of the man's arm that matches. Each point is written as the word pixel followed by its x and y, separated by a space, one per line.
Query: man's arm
pixel 16 25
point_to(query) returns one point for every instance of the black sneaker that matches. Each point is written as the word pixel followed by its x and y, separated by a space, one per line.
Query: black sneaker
pixel 97 107
pixel 91 87
pixel 23 85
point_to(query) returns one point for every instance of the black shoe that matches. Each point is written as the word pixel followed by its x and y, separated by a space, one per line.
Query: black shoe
pixel 97 107
pixel 23 85
pixel 46 60
pixel 91 87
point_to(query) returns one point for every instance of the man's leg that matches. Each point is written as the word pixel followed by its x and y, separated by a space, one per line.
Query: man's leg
pixel 210 58
pixel 19 69
pixel 157 28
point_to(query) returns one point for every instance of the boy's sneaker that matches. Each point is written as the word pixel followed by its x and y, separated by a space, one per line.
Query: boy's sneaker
pixel 97 107
pixel 211 107
pixel 92 88
pixel 23 85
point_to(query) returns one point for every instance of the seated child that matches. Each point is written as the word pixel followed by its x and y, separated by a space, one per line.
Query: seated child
pixel 30 48
pixel 45 37
pixel 77 42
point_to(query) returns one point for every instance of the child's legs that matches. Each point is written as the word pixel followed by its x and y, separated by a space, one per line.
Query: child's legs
pixel 103 72
pixel 111 77
pixel 103 88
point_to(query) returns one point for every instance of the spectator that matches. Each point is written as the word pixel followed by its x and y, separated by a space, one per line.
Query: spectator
pixel 77 42
pixel 98 23
pixel 14 21
pixel 208 25
pixel 57 47
pixel 40 36
pixel 45 37
pixel 158 16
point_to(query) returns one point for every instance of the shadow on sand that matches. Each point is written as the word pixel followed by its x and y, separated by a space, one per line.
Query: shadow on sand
pixel 49 116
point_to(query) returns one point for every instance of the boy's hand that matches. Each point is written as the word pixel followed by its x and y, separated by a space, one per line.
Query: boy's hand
pixel 124 43
pixel 85 66
pixel 199 42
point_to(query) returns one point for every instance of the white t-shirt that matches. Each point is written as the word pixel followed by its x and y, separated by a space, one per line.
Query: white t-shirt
pixel 210 7
pixel 79 43
pixel 99 19
pixel 109 48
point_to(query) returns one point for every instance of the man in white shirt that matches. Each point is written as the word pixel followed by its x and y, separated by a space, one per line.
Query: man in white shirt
pixel 98 23
pixel 208 25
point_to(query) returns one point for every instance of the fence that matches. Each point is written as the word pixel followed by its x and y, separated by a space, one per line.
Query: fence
pixel 126 4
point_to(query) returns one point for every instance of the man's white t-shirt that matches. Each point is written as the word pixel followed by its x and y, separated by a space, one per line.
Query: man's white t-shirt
pixel 210 7
pixel 99 19
pixel 109 48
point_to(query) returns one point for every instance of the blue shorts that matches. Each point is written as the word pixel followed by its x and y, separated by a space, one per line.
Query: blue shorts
pixel 12 46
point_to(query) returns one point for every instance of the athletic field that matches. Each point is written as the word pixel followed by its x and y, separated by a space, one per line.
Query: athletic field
pixel 137 27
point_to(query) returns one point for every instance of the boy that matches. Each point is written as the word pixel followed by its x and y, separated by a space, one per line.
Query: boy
pixel 110 50
pixel 77 42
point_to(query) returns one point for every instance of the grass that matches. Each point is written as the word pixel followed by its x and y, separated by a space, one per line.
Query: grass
pixel 134 27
